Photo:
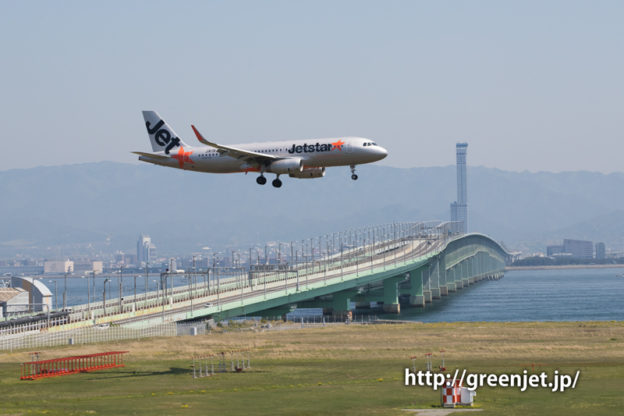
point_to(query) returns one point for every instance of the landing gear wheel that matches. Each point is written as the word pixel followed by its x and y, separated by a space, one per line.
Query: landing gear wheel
pixel 260 180
pixel 353 175
pixel 276 183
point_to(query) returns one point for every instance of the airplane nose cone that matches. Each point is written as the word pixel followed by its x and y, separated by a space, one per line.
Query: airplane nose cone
pixel 381 152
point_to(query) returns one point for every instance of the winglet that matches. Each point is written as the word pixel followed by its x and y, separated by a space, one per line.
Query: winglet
pixel 232 151
pixel 200 137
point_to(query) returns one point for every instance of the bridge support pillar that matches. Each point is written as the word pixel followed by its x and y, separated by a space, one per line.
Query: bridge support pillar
pixel 434 278
pixel 444 290
pixel 417 297
pixel 417 300
pixel 391 295
pixel 340 302
pixel 428 296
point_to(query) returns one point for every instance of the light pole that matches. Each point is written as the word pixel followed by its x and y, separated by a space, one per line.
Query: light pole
pixel 250 272
pixel 65 290
pixel 341 249
pixel 93 290
pixel 172 280
pixel 191 295
pixel 193 278
pixel 89 293
pixel 216 271
pixel 104 295
pixel 146 283
pixel 190 279
pixel 55 295
pixel 163 285
pixel 120 288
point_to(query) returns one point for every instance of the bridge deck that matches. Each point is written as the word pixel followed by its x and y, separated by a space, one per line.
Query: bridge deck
pixel 442 263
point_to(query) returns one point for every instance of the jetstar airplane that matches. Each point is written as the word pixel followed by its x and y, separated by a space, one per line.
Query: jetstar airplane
pixel 297 159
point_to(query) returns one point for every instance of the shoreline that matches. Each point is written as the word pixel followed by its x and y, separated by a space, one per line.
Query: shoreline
pixel 566 266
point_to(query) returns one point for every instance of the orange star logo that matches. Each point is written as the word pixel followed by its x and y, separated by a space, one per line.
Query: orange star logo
pixel 337 145
pixel 183 157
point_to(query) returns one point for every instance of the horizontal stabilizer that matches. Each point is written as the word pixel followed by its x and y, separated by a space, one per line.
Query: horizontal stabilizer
pixel 153 156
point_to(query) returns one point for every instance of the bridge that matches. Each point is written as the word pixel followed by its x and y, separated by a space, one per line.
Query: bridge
pixel 419 262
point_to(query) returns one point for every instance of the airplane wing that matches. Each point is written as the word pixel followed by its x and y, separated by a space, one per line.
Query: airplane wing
pixel 153 156
pixel 241 154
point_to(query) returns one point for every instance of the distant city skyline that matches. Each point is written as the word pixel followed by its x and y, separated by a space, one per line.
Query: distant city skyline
pixel 530 85
pixel 184 212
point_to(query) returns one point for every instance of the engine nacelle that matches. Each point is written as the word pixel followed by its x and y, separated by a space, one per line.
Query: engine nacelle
pixel 290 165
pixel 309 173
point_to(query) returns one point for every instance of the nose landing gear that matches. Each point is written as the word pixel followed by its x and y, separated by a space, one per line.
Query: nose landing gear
pixel 261 180
pixel 353 175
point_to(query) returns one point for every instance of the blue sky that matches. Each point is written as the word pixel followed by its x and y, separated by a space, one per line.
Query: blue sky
pixel 533 85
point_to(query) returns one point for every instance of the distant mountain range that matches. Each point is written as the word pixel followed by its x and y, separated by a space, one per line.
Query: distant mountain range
pixel 94 207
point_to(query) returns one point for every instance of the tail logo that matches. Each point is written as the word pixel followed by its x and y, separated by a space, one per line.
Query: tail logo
pixel 162 136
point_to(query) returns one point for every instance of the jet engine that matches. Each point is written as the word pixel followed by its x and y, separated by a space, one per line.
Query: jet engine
pixel 308 173
pixel 291 165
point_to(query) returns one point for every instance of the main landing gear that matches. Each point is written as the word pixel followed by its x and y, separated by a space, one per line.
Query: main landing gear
pixel 353 175
pixel 261 180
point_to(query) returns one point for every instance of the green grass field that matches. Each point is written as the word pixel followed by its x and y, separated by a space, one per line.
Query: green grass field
pixel 337 369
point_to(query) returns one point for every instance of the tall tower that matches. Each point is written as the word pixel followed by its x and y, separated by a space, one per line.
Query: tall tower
pixel 145 249
pixel 459 208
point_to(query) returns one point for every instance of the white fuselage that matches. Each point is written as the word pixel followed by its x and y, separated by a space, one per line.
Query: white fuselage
pixel 315 153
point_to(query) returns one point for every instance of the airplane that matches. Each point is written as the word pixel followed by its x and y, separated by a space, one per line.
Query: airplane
pixel 297 159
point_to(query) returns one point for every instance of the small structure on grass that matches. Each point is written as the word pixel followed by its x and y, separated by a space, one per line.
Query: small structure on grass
pixel 37 369
pixel 204 365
